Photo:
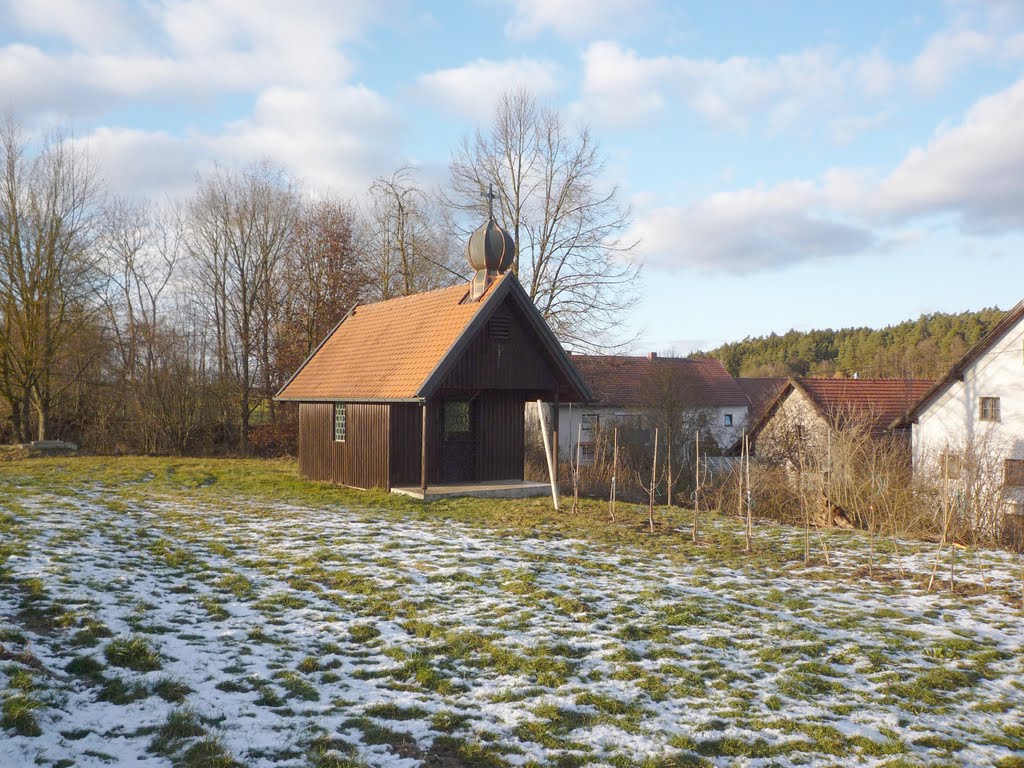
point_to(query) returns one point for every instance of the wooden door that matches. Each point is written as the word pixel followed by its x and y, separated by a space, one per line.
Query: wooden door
pixel 458 441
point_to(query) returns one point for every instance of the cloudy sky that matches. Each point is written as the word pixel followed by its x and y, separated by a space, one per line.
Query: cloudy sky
pixel 789 164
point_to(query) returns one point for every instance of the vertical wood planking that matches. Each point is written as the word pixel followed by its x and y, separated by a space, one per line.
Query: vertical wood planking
pixel 362 460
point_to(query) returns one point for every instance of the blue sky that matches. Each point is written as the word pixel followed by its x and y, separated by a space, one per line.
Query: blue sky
pixel 789 164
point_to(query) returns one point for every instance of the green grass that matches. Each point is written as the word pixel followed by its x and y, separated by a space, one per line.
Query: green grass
pixel 134 653
pixel 17 713
pixel 460 620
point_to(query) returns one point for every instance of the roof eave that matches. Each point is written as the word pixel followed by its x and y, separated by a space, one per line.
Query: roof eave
pixel 279 397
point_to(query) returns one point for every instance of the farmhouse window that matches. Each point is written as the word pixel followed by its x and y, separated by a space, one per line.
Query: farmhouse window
pixel 591 422
pixel 586 453
pixel 339 422
pixel 951 463
pixel 988 408
pixel 1013 473
pixel 728 419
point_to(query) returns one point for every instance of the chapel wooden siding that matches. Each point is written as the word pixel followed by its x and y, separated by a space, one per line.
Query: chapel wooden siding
pixel 361 461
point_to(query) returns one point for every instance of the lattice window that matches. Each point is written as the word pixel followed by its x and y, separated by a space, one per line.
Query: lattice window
pixel 457 418
pixel 339 422
pixel 988 408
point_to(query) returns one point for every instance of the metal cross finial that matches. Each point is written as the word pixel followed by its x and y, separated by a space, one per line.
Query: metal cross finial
pixel 491 197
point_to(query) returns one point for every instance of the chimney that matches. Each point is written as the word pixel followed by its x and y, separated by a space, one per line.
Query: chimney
pixel 652 355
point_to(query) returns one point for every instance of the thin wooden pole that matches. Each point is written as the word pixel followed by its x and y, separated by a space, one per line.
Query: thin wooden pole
pixel 750 505
pixel 554 438
pixel 654 482
pixel 615 472
pixel 547 452
pixel 945 516
pixel 696 494
pixel 745 456
pixel 576 472
pixel 423 450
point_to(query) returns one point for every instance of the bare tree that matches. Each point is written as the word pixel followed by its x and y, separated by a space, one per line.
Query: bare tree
pixel 408 249
pixel 568 224
pixel 242 224
pixel 49 204
pixel 323 276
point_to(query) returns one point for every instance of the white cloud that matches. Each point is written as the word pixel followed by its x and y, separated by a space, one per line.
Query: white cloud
pixel 339 139
pixel 946 54
pixel 621 86
pixel 143 164
pixel 573 19
pixel 875 73
pixel 971 173
pixel 974 170
pixel 87 24
pixel 191 51
pixel 747 231
pixel 473 89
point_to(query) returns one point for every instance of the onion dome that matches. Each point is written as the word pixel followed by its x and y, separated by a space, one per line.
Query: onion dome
pixel 490 248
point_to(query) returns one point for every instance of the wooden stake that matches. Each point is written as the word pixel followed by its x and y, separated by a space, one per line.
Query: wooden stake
pixel 945 516
pixel 696 494
pixel 547 452
pixel 750 506
pixel 576 471
pixel 654 482
pixel 615 472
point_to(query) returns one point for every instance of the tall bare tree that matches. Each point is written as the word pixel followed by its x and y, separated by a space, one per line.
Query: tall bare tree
pixel 569 226
pixel 49 205
pixel 408 250
pixel 242 225
pixel 323 276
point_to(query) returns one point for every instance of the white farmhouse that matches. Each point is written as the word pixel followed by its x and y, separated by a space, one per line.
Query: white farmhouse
pixel 977 411
pixel 628 391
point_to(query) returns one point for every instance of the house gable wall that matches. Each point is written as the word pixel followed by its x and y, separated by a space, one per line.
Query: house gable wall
pixel 777 440
pixel 952 417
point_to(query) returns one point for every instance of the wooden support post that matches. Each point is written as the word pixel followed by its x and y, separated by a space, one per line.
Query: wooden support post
pixel 547 451
pixel 554 439
pixel 423 451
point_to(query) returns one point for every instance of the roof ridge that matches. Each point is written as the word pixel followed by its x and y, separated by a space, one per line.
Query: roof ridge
pixel 424 294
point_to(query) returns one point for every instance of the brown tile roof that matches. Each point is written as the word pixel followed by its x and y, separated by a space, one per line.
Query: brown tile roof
pixel 618 380
pixel 386 350
pixel 881 400
pixel 760 392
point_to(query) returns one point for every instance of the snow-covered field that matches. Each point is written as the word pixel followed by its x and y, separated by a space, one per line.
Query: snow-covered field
pixel 152 631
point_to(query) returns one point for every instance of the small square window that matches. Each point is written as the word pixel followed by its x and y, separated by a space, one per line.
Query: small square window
pixel 339 422
pixel 728 419
pixel 591 421
pixel 988 408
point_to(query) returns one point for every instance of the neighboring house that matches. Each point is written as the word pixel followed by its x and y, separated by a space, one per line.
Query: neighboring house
pixel 977 409
pixel 628 391
pixel 804 410
pixel 761 392
pixel 431 388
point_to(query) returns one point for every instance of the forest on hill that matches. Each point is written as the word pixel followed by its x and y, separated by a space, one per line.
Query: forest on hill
pixel 921 348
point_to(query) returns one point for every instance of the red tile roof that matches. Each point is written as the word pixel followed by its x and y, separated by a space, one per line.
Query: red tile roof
pixel 881 400
pixel 618 380
pixel 386 350
pixel 400 349
pixel 760 392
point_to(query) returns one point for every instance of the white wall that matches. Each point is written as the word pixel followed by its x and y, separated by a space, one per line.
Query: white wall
pixel 952 418
pixel 569 423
